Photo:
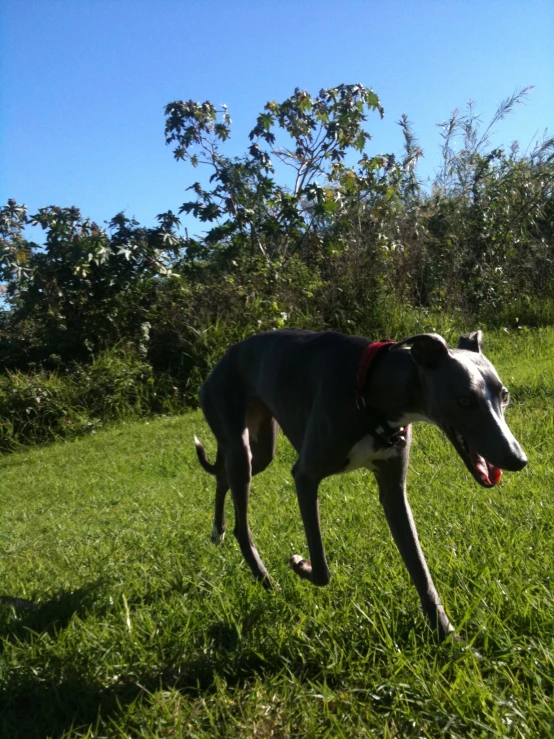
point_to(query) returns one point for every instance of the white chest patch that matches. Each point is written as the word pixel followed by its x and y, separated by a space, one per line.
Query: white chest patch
pixel 363 454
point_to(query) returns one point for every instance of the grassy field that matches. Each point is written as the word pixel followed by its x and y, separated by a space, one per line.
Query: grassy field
pixel 142 628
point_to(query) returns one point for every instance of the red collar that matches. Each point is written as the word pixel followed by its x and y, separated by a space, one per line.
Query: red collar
pixel 366 360
pixel 381 431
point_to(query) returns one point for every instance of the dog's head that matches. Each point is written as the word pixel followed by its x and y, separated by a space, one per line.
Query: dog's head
pixel 463 395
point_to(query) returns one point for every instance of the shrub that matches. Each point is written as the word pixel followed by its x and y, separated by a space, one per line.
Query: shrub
pixel 46 405
pixel 105 323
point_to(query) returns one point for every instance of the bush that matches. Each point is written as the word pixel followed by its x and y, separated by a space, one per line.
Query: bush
pixel 45 406
pixel 105 323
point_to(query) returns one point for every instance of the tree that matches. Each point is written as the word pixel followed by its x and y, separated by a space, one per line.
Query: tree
pixel 246 204
pixel 85 287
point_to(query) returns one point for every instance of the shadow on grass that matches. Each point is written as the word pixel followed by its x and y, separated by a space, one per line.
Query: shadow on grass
pixel 36 707
pixel 48 617
pixel 57 699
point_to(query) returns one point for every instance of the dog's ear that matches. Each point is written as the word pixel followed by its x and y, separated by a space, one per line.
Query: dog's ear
pixel 471 342
pixel 428 350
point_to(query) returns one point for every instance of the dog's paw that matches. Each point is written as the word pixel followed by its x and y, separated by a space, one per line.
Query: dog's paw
pixel 302 567
pixel 217 536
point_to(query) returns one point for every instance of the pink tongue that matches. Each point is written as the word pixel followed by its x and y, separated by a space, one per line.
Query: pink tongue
pixel 481 467
pixel 489 473
pixel 495 475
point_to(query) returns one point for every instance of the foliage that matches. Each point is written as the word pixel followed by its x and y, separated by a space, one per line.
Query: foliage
pixel 44 406
pixel 71 295
pixel 497 204
pixel 246 203
pixel 349 240
pixel 477 240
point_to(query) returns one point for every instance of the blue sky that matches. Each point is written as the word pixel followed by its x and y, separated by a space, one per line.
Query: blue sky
pixel 83 83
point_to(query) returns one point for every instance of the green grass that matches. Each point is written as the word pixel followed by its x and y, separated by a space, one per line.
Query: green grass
pixel 142 628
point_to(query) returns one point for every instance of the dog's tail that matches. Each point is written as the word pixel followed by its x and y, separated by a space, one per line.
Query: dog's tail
pixel 203 459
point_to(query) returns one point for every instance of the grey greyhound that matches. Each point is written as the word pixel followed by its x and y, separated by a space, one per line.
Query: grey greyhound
pixel 343 409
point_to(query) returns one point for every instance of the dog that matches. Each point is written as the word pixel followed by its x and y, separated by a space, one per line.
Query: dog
pixel 344 403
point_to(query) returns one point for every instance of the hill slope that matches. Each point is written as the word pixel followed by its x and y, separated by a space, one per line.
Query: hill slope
pixel 143 628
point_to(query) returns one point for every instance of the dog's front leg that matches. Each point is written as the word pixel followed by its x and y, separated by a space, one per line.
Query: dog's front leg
pixel 315 569
pixel 391 478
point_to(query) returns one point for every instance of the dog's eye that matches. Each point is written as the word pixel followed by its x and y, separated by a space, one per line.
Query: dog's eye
pixel 505 396
pixel 464 401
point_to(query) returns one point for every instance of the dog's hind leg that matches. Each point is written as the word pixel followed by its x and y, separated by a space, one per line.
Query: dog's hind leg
pixel 222 487
pixel 226 409
pixel 238 458
pixel 221 490
pixel 262 435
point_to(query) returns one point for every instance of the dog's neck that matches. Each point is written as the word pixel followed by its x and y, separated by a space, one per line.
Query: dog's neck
pixel 394 387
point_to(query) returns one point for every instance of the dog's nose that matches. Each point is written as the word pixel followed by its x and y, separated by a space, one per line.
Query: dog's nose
pixel 516 462
pixel 521 462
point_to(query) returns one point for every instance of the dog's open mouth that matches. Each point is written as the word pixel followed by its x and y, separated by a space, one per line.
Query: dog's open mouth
pixel 483 471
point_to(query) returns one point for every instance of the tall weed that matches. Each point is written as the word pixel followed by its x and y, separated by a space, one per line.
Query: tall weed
pixel 44 406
